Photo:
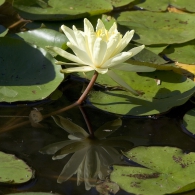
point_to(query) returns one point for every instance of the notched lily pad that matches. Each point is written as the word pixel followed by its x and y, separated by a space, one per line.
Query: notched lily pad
pixel 164 171
pixel 13 170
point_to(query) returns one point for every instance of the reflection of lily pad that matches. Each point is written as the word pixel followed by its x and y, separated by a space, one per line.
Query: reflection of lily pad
pixel 13 170
pixel 166 170
pixel 174 90
pixel 158 27
pixel 189 121
pixel 28 74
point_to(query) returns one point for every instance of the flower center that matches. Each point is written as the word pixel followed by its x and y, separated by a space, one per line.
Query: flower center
pixel 103 33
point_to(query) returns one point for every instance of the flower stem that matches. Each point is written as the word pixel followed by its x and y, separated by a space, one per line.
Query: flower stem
pixel 77 103
pixel 86 121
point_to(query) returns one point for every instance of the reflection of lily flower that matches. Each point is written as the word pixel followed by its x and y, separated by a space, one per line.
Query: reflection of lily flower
pixel 92 155
pixel 99 50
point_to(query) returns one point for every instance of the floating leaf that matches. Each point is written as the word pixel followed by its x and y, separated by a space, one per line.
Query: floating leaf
pixel 117 3
pixel 13 170
pixel 174 90
pixel 189 121
pixel 182 53
pixel 159 28
pixel 152 5
pixel 164 171
pixel 2 2
pixel 43 37
pixel 61 10
pixel 181 4
pixel 28 74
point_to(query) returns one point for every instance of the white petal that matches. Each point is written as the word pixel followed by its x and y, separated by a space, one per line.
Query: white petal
pixel 124 42
pixel 79 38
pixel 113 29
pixel 78 69
pixel 99 51
pixel 82 55
pixel 88 27
pixel 101 70
pixel 65 54
pixel 111 45
pixel 100 25
pixel 119 58
pixel 136 50
pixel 66 63
pixel 70 34
pixel 120 81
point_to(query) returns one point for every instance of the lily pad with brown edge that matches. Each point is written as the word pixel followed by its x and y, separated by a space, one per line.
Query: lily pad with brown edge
pixel 181 4
pixel 13 170
pixel 162 90
pixel 163 171
pixel 26 75
pixel 189 121
pixel 158 27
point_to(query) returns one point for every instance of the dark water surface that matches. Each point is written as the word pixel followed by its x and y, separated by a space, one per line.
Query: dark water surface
pixel 25 142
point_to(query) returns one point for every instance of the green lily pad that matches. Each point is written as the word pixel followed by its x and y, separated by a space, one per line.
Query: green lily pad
pixel 13 170
pixel 61 10
pixel 156 48
pixel 182 53
pixel 172 90
pixel 181 4
pixel 2 2
pixel 43 37
pixel 28 74
pixel 189 122
pixel 164 171
pixel 117 3
pixel 159 28
pixel 153 5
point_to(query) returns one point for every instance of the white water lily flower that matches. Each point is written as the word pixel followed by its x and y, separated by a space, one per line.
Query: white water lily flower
pixel 99 50
pixel 92 155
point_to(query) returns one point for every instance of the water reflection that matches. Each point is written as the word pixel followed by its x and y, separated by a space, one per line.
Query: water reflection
pixel 92 154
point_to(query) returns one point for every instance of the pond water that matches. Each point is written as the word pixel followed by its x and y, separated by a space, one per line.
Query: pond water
pixel 25 142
